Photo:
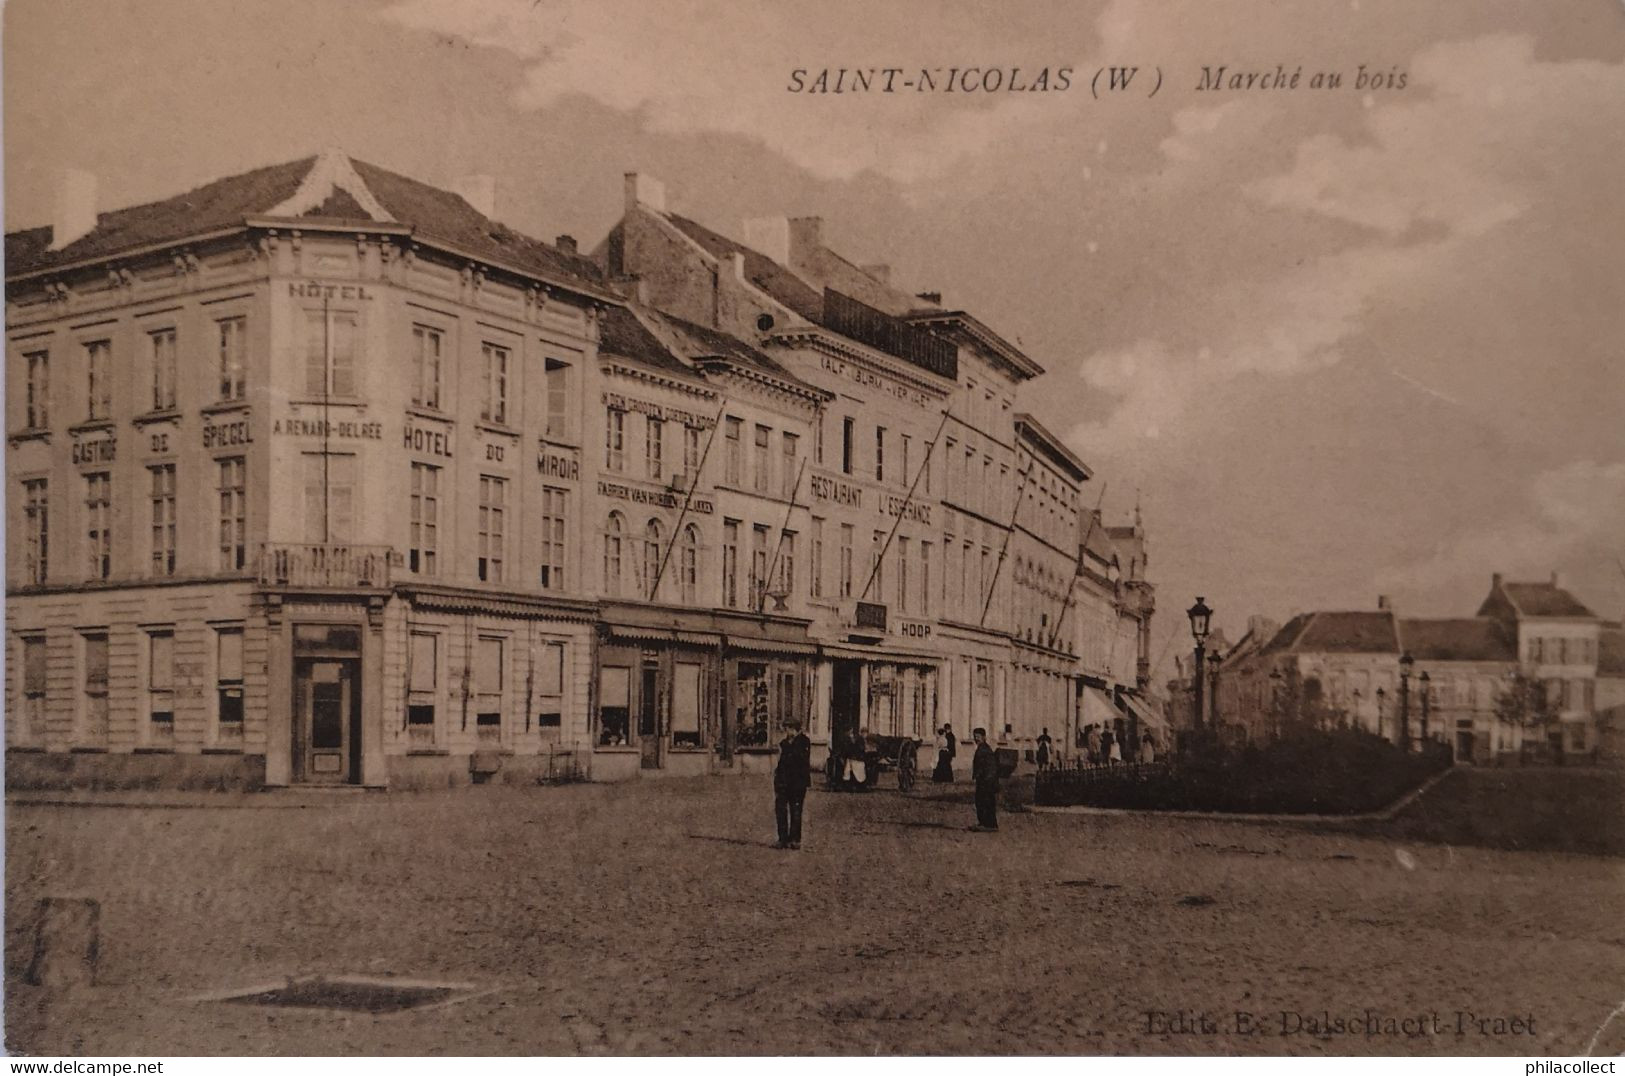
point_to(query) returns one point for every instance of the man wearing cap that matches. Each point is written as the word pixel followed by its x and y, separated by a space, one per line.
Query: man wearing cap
pixel 984 770
pixel 791 777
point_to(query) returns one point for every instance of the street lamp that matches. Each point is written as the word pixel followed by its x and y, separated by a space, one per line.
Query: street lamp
pixel 1213 703
pixel 1200 616
pixel 1427 691
pixel 1405 663
pixel 1274 702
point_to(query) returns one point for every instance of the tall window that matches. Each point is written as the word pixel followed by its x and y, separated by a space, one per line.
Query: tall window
pixel 34 680
pixel 555 505
pixel 163 518
pixel 818 439
pixel 816 583
pixel 846 560
pixel 557 375
pixel 161 682
pixel 488 683
pixel 330 491
pixel 731 430
pixel 37 524
pixel 925 578
pixel 614 533
pixel 730 563
pixel 877 547
pixel 233 340
pixel 614 439
pixel 494 408
pixel 330 352
pixel 228 681
pixel 688 573
pixel 550 692
pixel 98 523
pixel 763 461
pixel 162 346
pixel 426 344
pixel 232 483
pixel 848 431
pixel 38 403
pixel 903 471
pixel 99 374
pixel 424 539
pixel 493 526
pixel 422 680
pixel 791 474
pixel 880 453
pixel 902 573
pixel 691 453
pixel 654 446
pixel 649 572
pixel 93 732
pixel 785 574
pixel 758 565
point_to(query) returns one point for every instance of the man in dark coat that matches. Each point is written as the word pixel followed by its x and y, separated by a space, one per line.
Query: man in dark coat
pixel 791 777
pixel 985 771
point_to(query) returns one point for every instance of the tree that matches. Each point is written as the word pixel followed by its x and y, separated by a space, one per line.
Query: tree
pixel 1524 701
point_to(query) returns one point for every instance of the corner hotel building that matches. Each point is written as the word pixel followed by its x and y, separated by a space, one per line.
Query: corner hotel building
pixel 318 475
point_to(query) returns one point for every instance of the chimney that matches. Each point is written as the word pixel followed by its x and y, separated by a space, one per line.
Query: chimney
pixel 566 244
pixel 932 297
pixel 1382 603
pixel 1495 580
pixel 479 191
pixel 806 236
pixel 1557 580
pixel 646 191
pixel 736 265
pixel 881 273
pixel 771 236
pixel 75 215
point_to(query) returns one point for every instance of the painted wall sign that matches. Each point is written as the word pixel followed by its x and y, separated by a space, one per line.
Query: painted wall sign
pixel 914 511
pixel 429 442
pixel 660 498
pixel 101 450
pixel 871 380
pixel 660 411
pixel 563 465
pixel 343 429
pixel 226 434
pixel 837 492
pixel 316 289
pixel 914 629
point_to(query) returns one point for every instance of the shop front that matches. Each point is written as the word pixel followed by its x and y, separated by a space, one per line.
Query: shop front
pixel 657 694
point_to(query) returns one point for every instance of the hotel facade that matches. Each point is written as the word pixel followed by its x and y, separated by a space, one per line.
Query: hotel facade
pixel 318 475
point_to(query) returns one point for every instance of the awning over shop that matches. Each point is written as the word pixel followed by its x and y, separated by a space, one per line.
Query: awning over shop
pixel 770 647
pixel 1145 712
pixel 1098 708
pixel 642 634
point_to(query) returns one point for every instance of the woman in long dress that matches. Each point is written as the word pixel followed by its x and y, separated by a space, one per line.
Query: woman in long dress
pixel 944 773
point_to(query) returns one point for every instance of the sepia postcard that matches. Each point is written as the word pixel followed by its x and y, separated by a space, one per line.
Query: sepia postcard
pixel 716 527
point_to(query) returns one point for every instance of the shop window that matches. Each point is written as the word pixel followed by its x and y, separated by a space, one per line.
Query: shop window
pixel 550 692
pixel 161 684
pixel 685 704
pixel 228 683
pixel 751 704
pixel 488 683
pixel 614 706
pixel 423 669
pixel 32 726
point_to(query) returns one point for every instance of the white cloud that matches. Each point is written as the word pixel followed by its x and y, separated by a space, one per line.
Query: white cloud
pixel 694 66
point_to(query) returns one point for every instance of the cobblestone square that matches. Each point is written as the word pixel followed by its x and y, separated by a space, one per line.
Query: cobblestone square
pixel 655 917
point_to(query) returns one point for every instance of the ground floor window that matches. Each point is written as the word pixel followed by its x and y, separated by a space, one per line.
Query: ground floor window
pixel 614 705
pixel 685 704
pixel 750 704
pixel 423 668
pixel 488 683
pixel 550 691
pixel 161 685
pixel 228 682
pixel 32 726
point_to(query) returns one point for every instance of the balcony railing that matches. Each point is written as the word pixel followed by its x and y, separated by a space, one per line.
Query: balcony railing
pixel 317 565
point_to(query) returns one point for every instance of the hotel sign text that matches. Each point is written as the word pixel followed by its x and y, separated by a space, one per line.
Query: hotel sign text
pixel 660 498
pixel 829 489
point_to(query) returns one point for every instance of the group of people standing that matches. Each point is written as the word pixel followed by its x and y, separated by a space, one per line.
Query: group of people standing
pixel 1103 747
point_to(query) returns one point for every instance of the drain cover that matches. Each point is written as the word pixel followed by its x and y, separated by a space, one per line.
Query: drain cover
pixel 350 995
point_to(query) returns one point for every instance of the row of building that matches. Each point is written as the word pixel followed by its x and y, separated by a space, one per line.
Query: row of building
pixel 1453 680
pixel 319 474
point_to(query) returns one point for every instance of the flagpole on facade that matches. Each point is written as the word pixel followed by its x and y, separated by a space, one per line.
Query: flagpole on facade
pixel 761 602
pixel 874 569
pixel 998 565
pixel 688 496
pixel 1077 565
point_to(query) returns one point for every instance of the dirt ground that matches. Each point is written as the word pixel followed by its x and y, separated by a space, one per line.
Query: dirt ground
pixel 656 918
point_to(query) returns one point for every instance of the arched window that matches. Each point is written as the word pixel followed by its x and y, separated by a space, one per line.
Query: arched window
pixel 689 569
pixel 613 533
pixel 651 557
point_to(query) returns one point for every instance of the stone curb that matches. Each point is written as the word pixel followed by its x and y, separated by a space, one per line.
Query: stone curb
pixel 1383 815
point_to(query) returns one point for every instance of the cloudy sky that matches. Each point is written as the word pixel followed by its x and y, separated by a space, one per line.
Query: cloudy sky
pixel 1340 343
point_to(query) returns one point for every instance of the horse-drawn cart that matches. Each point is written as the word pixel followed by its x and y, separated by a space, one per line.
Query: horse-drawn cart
pixel 898 753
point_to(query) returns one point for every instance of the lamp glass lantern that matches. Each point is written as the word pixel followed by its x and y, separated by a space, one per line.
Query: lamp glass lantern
pixel 1200 616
